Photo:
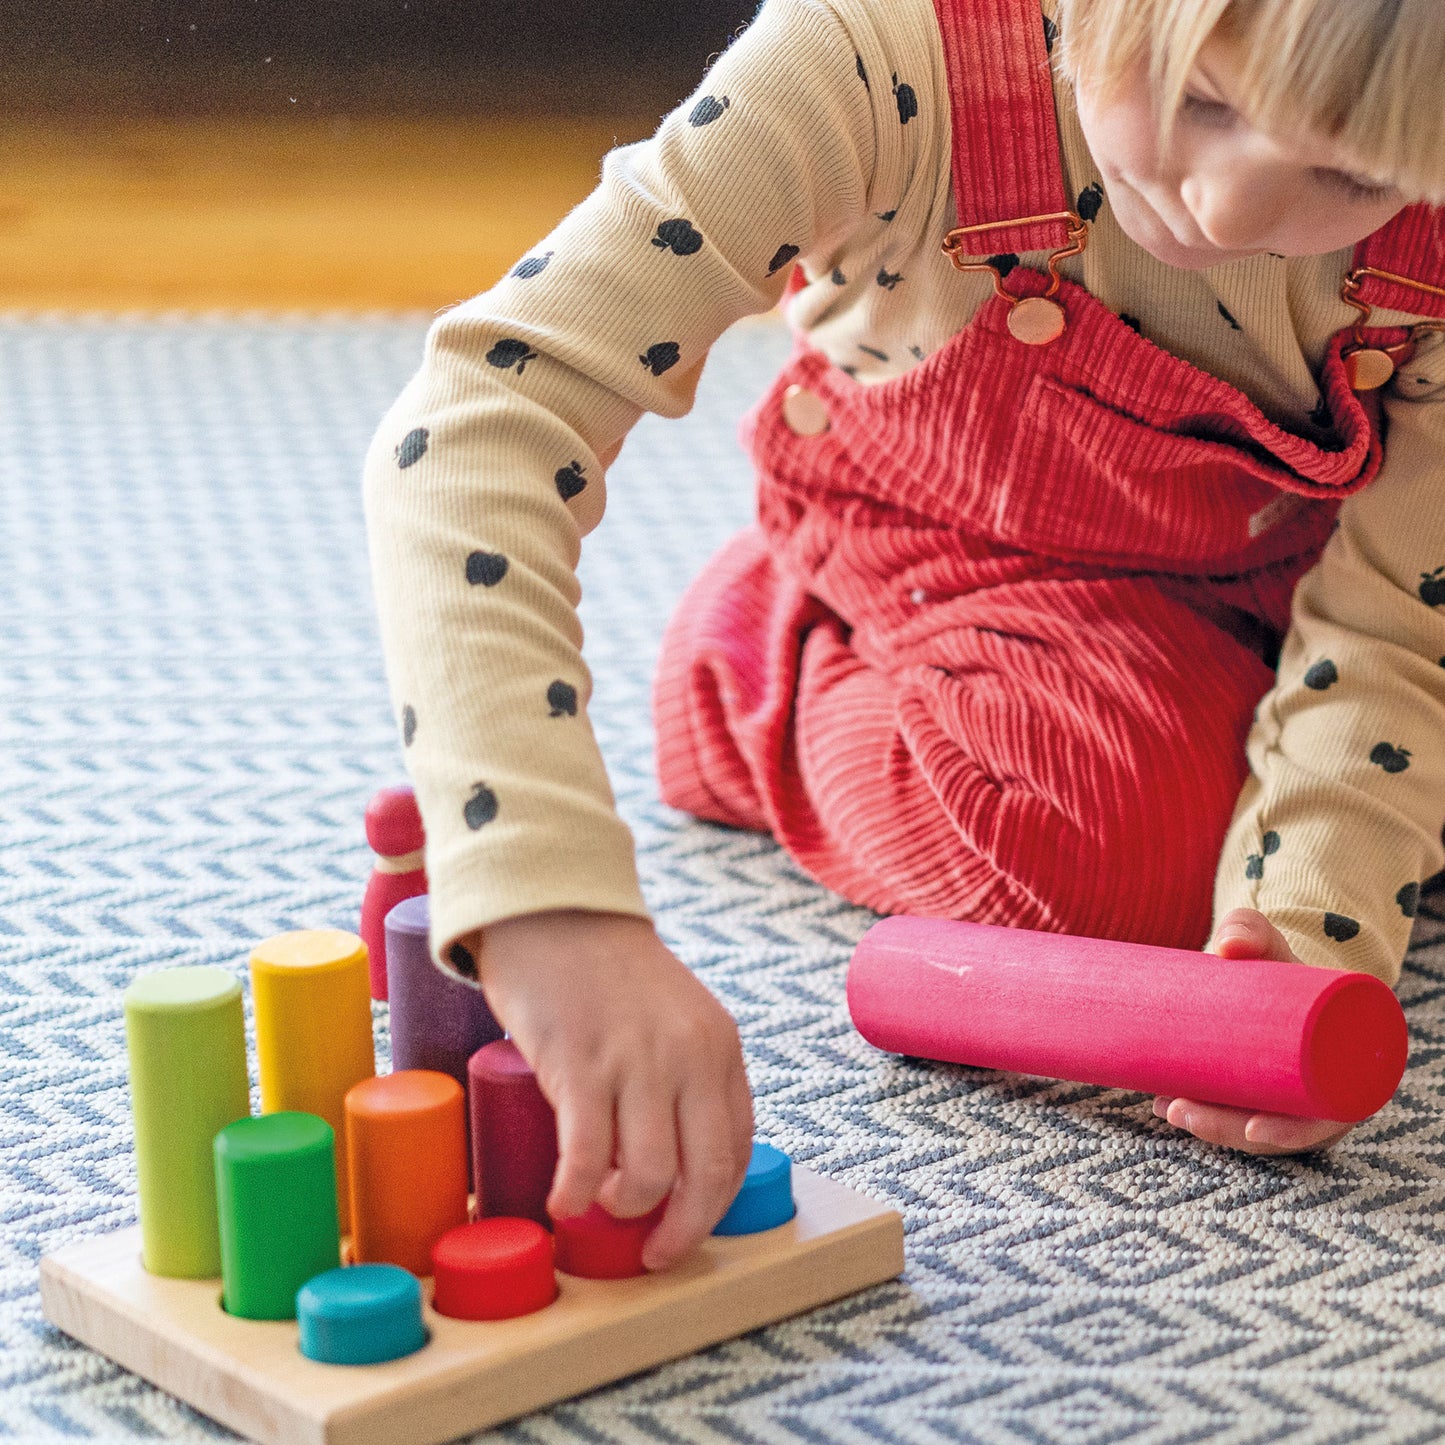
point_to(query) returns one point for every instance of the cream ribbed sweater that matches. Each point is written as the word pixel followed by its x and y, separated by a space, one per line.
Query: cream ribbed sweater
pixel 490 468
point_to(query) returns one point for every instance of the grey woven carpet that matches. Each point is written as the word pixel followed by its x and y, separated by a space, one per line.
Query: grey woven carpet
pixel 193 720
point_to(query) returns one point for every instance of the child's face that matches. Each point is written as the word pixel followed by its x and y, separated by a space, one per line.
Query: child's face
pixel 1223 190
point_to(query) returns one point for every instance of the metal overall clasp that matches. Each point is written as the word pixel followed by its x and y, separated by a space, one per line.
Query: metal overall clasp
pixel 1370 367
pixel 1035 320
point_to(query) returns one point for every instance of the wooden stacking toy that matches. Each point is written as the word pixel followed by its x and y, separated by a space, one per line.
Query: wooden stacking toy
pixel 1284 1038
pixel 318 1275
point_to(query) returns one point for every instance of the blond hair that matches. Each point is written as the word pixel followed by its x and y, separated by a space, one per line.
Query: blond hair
pixel 1366 74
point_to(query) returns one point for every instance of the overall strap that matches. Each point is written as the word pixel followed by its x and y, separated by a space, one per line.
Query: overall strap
pixel 1402 265
pixel 1005 134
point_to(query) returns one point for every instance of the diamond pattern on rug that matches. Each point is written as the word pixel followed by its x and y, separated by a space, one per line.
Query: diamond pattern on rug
pixel 194 716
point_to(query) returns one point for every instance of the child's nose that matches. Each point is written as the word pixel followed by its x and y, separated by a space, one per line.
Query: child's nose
pixel 1235 209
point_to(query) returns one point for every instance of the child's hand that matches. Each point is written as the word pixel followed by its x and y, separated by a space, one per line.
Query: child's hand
pixel 1246 933
pixel 642 1065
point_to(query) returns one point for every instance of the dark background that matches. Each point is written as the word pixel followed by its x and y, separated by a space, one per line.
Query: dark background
pixel 357 57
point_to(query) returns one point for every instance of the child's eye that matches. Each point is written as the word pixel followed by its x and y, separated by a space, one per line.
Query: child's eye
pixel 1211 112
pixel 1356 190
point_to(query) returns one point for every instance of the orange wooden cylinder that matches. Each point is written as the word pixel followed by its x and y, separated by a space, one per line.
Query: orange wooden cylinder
pixel 406 1138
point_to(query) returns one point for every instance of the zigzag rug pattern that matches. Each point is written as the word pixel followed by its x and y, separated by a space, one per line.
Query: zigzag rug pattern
pixel 194 716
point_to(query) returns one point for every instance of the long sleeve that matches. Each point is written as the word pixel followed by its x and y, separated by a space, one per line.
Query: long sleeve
pixel 1341 818
pixel 489 468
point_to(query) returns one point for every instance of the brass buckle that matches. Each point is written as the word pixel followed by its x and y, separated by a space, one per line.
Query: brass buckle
pixel 1036 320
pixel 1370 367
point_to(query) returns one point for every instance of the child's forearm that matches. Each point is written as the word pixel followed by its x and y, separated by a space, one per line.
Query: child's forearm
pixel 1340 822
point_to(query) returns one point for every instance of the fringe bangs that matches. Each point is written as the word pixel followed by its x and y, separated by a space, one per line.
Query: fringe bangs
pixel 1366 74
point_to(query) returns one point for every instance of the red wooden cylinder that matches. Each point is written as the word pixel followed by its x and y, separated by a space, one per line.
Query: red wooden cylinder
pixel 596 1245
pixel 1283 1038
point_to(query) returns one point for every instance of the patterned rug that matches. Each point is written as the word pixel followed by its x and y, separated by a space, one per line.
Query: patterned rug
pixel 193 719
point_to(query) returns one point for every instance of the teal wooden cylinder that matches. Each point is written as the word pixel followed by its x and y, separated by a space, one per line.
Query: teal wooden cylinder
pixel 276 1197
pixel 186 1039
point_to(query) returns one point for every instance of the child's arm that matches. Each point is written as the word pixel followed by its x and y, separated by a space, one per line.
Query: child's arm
pixel 481 482
pixel 1340 822
pixel 490 467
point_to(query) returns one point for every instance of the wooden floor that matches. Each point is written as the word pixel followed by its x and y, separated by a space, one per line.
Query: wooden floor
pixel 115 214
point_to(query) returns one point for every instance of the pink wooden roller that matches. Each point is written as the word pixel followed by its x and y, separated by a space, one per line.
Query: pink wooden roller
pixel 1284 1038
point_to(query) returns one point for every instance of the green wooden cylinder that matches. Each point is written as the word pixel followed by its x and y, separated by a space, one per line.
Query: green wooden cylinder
pixel 276 1197
pixel 186 1038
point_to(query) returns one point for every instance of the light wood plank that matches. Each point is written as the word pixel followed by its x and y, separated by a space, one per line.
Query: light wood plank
pixel 308 214
pixel 250 1375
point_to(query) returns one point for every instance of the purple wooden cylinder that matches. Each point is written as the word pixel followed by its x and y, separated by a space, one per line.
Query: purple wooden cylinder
pixel 437 1021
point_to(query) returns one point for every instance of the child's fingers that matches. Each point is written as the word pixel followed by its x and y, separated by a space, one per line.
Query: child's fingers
pixel 1281 1131
pixel 584 1150
pixel 1214 1123
pixel 1247 933
pixel 709 1177
pixel 1251 1132
pixel 646 1148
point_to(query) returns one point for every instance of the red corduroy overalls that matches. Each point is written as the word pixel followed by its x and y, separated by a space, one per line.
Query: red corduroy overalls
pixel 994 649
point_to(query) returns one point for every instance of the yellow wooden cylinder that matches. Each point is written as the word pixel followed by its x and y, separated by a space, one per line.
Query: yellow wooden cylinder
pixel 312 997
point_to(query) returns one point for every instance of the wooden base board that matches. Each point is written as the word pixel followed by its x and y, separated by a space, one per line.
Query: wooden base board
pixel 250 1375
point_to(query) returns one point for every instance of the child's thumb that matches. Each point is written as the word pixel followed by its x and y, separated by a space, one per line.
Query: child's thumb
pixel 1247 933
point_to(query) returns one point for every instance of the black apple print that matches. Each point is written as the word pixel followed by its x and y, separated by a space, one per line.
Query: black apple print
pixel 781 257
pixel 481 807
pixel 460 958
pixel 886 215
pixel 907 101
pixel 1340 927
pixel 510 352
pixel 486 569
pixel 562 699
pixel 1322 675
pixel 408 725
pixel 707 110
pixel 660 356
pixel 680 237
pixel 1432 588
pixel 1409 899
pixel 1091 198
pixel 412 447
pixel 570 481
pixel 887 279
pixel 531 266
pixel 1389 757
pixel 1254 864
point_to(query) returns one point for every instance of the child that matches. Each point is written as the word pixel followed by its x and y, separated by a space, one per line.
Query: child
pixel 1088 370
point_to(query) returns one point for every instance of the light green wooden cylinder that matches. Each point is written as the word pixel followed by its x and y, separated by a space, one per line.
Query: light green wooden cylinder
pixel 186 1037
